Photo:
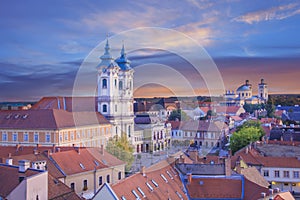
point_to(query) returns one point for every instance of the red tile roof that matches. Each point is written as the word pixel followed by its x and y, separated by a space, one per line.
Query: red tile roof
pixel 48 119
pixel 218 188
pixel 59 191
pixel 72 162
pixel 105 157
pixel 221 109
pixel 9 178
pixel 165 190
pixel 77 104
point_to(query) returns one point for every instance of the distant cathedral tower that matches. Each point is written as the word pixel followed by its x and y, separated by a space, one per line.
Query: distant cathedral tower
pixel 263 91
pixel 115 91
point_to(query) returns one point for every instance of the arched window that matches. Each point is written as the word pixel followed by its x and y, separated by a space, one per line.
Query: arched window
pixel 104 83
pixel 115 82
pixel 119 175
pixel 104 108
pixel 120 85
pixel 108 179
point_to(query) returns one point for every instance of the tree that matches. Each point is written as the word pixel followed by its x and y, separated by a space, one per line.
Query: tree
pixel 250 131
pixel 121 148
pixel 270 108
pixel 178 115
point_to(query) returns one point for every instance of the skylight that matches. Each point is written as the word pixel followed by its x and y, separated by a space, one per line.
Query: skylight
pixel 173 171
pixel 170 174
pixel 141 191
pixel 156 185
pixel 135 194
pixel 96 162
pixel 104 161
pixel 179 195
pixel 149 186
pixel 123 198
pixel 165 179
pixel 81 165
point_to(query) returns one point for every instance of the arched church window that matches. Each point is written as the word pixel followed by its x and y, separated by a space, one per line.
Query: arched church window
pixel 115 82
pixel 120 85
pixel 104 108
pixel 104 83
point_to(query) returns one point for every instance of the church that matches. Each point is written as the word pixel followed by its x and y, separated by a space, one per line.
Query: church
pixel 244 94
pixel 115 92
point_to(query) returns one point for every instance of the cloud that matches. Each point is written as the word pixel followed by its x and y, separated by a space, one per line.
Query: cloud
pixel 201 4
pixel 274 13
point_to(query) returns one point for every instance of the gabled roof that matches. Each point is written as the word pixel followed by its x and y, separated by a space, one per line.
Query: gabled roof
pixel 202 125
pixel 253 175
pixel 48 119
pixel 9 178
pixel 214 188
pixel 73 162
pixel 156 189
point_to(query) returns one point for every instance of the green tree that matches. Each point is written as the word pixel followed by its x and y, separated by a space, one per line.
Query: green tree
pixel 121 148
pixel 178 115
pixel 250 131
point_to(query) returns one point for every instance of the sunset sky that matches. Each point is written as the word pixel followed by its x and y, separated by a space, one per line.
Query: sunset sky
pixel 44 43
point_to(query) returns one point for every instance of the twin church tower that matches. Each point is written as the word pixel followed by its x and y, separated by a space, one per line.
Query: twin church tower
pixel 115 91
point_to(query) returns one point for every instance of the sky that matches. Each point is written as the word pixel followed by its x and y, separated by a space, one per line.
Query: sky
pixel 44 45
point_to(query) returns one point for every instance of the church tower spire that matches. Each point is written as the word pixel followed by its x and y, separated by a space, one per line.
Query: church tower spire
pixel 107 59
pixel 123 61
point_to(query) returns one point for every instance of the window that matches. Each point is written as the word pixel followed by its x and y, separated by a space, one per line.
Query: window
pixel 115 82
pixel 66 136
pixel 72 135
pixel 48 138
pixel 129 131
pixel 72 186
pixel 85 185
pixel 15 137
pixel 286 174
pixel 276 173
pixel 104 108
pixel 36 137
pixel 4 136
pixel 100 180
pixel 108 179
pixel 25 137
pixel 266 173
pixel 116 108
pixel 119 175
pixel 120 85
pixel 296 174
pixel 60 137
pixel 104 83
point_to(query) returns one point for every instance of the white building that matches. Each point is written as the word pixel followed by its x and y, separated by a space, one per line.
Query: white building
pixel 115 92
pixel 244 94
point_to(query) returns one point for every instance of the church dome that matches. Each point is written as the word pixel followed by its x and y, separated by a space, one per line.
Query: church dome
pixel 243 88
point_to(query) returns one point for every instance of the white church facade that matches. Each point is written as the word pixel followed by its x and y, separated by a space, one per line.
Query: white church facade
pixel 115 92
pixel 244 94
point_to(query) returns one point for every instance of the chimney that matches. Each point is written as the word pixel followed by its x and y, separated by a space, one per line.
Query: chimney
pixel 194 155
pixel 23 165
pixel 48 153
pixel 9 155
pixel 64 102
pixel 9 161
pixel 102 149
pixel 58 149
pixel 181 159
pixel 247 150
pixel 143 170
pixel 263 195
pixel 53 150
pixel 238 167
pixel 17 147
pixel 227 167
pixel 189 177
pixel 271 192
